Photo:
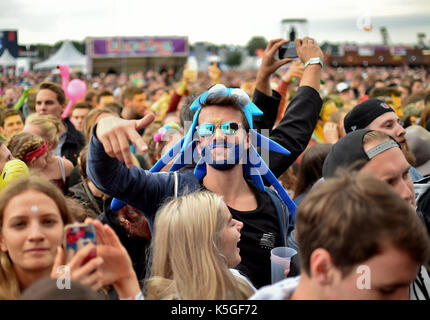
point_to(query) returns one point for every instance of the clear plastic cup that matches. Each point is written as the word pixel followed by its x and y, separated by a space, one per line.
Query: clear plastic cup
pixel 280 258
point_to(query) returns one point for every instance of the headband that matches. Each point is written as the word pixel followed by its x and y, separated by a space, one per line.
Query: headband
pixel 35 153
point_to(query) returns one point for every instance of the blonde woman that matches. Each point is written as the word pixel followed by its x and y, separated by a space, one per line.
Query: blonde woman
pixel 194 248
pixel 58 168
pixel 194 245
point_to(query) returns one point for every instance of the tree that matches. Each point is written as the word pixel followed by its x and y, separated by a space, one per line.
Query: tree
pixel 80 46
pixel 256 43
pixel 233 58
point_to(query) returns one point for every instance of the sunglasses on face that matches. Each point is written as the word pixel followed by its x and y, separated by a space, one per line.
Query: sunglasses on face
pixel 208 129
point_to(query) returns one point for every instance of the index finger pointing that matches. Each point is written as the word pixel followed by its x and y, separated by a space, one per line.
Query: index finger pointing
pixel 145 121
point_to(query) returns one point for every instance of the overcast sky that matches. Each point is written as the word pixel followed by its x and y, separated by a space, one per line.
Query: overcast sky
pixel 218 21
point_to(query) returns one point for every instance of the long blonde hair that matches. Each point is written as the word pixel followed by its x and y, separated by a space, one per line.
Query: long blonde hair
pixel 187 263
pixel 9 283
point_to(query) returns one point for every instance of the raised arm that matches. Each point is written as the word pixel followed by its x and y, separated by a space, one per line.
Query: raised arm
pixel 293 73
pixel 140 188
pixel 299 120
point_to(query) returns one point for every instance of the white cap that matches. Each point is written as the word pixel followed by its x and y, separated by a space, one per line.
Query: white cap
pixel 342 86
pixel 419 142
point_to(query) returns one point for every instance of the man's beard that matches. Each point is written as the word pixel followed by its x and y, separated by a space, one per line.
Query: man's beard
pixel 233 157
pixel 410 157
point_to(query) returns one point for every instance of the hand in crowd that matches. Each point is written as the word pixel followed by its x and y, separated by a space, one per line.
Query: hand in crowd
pixel 269 65
pixel 214 73
pixel 117 268
pixel 188 75
pixel 331 132
pixel 88 274
pixel 295 71
pixel 116 133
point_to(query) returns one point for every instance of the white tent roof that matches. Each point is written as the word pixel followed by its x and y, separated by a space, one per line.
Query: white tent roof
pixel 68 55
pixel 6 59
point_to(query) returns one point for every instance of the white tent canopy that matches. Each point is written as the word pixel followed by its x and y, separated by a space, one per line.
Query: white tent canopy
pixel 6 59
pixel 68 55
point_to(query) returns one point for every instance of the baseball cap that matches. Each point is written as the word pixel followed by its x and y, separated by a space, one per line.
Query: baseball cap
pixel 419 141
pixel 348 152
pixel 364 113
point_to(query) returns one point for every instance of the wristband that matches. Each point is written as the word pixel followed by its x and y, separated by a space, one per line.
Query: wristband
pixel 314 61
pixel 138 296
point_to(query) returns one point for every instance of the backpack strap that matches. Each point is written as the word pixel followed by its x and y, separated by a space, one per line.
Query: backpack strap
pixel 176 185
pixel 282 212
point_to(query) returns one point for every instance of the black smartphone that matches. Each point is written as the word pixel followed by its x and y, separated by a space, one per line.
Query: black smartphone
pixel 288 50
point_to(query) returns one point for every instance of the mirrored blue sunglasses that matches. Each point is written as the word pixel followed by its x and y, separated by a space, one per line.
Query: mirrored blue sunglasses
pixel 228 128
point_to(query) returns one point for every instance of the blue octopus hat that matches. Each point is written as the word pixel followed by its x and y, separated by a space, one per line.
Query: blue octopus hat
pixel 255 166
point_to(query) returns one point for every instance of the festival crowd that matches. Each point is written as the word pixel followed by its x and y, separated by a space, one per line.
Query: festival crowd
pixel 187 180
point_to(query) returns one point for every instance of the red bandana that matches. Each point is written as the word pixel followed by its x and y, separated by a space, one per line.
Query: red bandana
pixel 35 153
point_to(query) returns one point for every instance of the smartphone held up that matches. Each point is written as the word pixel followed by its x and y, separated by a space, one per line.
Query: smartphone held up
pixel 77 236
pixel 288 50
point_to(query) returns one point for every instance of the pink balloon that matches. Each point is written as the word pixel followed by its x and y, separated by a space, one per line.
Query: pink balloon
pixel 76 89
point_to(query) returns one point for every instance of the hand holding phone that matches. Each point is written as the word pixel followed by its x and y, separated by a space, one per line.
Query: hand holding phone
pixel 77 236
